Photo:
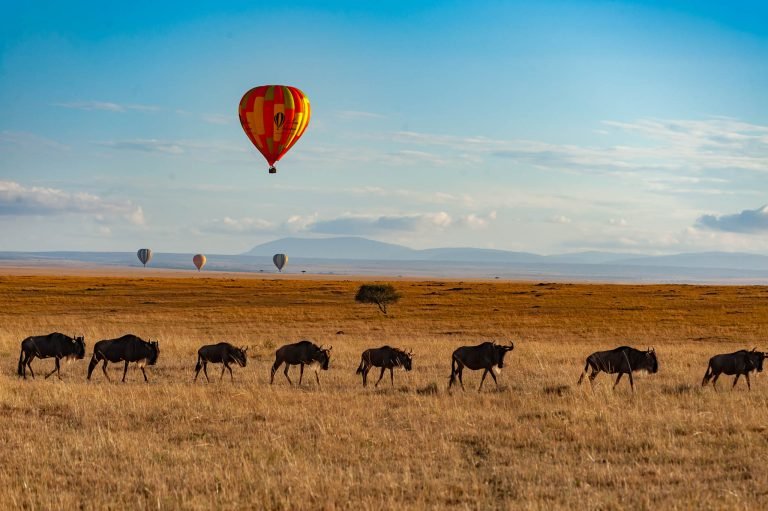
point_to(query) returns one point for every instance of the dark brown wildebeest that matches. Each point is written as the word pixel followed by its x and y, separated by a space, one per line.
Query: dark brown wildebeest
pixel 301 353
pixel 738 363
pixel 221 353
pixel 488 356
pixel 56 345
pixel 128 348
pixel 622 360
pixel 386 358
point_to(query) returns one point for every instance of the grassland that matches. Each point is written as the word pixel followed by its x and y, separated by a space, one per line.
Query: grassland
pixel 538 442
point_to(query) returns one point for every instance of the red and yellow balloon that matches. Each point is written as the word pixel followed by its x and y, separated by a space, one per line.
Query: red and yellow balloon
pixel 274 117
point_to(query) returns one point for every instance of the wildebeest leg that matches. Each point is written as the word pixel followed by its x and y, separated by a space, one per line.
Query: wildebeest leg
pixel 746 375
pixel 205 371
pixel 461 380
pixel 223 368
pixel 125 370
pixel 231 378
pixel 735 380
pixel 144 373
pixel 275 367
pixel 55 369
pixel 29 364
pixel 317 377
pixel 286 374
pixel 301 374
pixel 631 381
pixel 482 380
pixel 392 377
pixel 381 375
pixel 592 376
pixel 104 369
pixel 714 381
pixel 618 379
pixel 365 376
pixel 494 378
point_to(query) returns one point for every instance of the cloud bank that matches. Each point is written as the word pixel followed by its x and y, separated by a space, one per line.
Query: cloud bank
pixel 748 221
pixel 19 200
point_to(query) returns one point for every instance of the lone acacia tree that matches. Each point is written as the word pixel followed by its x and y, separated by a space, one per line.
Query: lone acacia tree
pixel 381 295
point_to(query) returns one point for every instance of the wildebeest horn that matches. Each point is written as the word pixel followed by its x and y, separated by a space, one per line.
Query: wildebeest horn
pixel 754 349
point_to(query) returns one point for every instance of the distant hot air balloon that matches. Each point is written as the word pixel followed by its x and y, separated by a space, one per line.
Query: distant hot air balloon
pixel 280 260
pixel 144 255
pixel 199 261
pixel 274 117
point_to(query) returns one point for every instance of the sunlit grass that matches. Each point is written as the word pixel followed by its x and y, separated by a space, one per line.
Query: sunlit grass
pixel 539 441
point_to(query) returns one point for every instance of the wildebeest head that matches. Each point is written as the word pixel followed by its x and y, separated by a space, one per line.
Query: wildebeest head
pixel 756 359
pixel 241 356
pixel 651 363
pixel 323 357
pixel 154 352
pixel 405 359
pixel 500 351
pixel 79 347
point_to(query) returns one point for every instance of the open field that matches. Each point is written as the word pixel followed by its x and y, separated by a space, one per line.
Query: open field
pixel 538 442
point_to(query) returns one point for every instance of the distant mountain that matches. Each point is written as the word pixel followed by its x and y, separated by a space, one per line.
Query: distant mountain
pixel 590 257
pixel 735 260
pixel 477 255
pixel 364 249
pixel 334 248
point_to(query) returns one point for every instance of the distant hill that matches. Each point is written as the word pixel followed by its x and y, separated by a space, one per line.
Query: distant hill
pixel 360 256
pixel 334 248
pixel 364 249
pixel 735 260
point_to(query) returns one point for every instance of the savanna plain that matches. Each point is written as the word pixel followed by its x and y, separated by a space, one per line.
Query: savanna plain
pixel 537 441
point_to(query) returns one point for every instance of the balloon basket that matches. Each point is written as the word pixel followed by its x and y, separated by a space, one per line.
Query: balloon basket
pixel 272 170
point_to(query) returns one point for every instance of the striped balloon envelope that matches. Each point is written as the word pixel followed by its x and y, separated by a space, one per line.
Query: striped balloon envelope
pixel 144 255
pixel 280 260
pixel 274 117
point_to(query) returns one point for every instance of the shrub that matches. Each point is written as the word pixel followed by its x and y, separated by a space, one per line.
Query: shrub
pixel 381 295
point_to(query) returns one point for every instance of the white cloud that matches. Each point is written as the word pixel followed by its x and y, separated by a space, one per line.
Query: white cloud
pixel 106 106
pixel 620 222
pixel 668 146
pixel 173 147
pixel 239 225
pixel 29 141
pixel 560 219
pixel 366 225
pixel 20 200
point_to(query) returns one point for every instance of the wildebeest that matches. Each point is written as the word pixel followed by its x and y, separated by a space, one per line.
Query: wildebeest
pixel 56 345
pixel 738 363
pixel 488 356
pixel 221 353
pixel 128 348
pixel 622 360
pixel 301 353
pixel 385 357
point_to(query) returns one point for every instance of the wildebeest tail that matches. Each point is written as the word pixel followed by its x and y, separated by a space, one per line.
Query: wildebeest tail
pixel 454 369
pixel 707 375
pixel 20 370
pixel 199 364
pixel 361 366
pixel 92 364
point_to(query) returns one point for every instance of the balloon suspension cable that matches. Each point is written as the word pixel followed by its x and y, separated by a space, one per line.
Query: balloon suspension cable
pixel 273 169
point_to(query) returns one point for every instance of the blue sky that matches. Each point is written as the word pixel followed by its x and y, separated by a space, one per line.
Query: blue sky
pixel 546 127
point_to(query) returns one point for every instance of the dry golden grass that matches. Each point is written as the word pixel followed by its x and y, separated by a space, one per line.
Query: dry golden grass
pixel 538 442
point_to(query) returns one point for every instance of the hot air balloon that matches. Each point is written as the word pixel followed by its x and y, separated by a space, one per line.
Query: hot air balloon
pixel 199 261
pixel 274 117
pixel 280 260
pixel 144 255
